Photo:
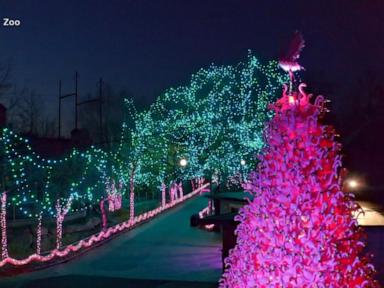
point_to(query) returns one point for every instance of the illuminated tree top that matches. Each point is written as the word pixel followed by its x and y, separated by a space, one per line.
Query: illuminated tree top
pixel 214 122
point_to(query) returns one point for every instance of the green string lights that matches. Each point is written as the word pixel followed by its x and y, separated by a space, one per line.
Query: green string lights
pixel 214 123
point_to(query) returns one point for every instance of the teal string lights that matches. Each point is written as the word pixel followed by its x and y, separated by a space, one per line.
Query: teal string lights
pixel 214 123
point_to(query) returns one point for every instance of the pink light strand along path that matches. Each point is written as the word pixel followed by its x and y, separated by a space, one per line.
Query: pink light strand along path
pixel 56 253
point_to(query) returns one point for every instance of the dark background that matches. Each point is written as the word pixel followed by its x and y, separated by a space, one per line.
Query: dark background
pixel 144 47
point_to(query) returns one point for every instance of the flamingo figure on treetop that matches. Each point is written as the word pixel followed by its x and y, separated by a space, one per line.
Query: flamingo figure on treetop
pixel 288 59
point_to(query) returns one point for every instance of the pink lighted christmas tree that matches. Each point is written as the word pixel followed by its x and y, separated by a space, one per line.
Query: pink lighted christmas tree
pixel 299 230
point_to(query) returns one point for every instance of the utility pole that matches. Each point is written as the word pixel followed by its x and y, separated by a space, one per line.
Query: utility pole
pixel 101 109
pixel 98 99
pixel 61 97
pixel 76 96
pixel 59 108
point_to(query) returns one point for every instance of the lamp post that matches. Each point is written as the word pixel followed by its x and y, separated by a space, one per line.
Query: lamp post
pixel 243 163
pixel 183 162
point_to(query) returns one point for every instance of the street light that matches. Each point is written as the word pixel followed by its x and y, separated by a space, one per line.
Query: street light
pixel 353 183
pixel 242 162
pixel 183 162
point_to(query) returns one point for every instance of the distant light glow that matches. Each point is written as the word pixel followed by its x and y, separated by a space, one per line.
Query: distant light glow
pixel 353 183
pixel 243 162
pixel 183 162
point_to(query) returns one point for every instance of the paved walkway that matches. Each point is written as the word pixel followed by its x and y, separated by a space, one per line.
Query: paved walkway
pixel 166 248
pixel 372 216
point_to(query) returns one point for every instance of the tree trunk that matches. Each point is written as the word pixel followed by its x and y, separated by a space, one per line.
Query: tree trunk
pixel 3 222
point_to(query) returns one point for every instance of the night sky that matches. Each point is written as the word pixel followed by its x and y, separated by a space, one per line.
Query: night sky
pixel 147 46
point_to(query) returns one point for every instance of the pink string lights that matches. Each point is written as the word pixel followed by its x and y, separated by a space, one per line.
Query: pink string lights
pixel 204 213
pixel 61 211
pixel 38 233
pixel 163 194
pixel 176 190
pixel 173 192
pixel 102 235
pixel 103 215
pixel 132 195
pixel 180 190
pixel 3 223
pixel 114 199
pixel 207 210
pixel 119 196
pixel 200 182
pixel 114 195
